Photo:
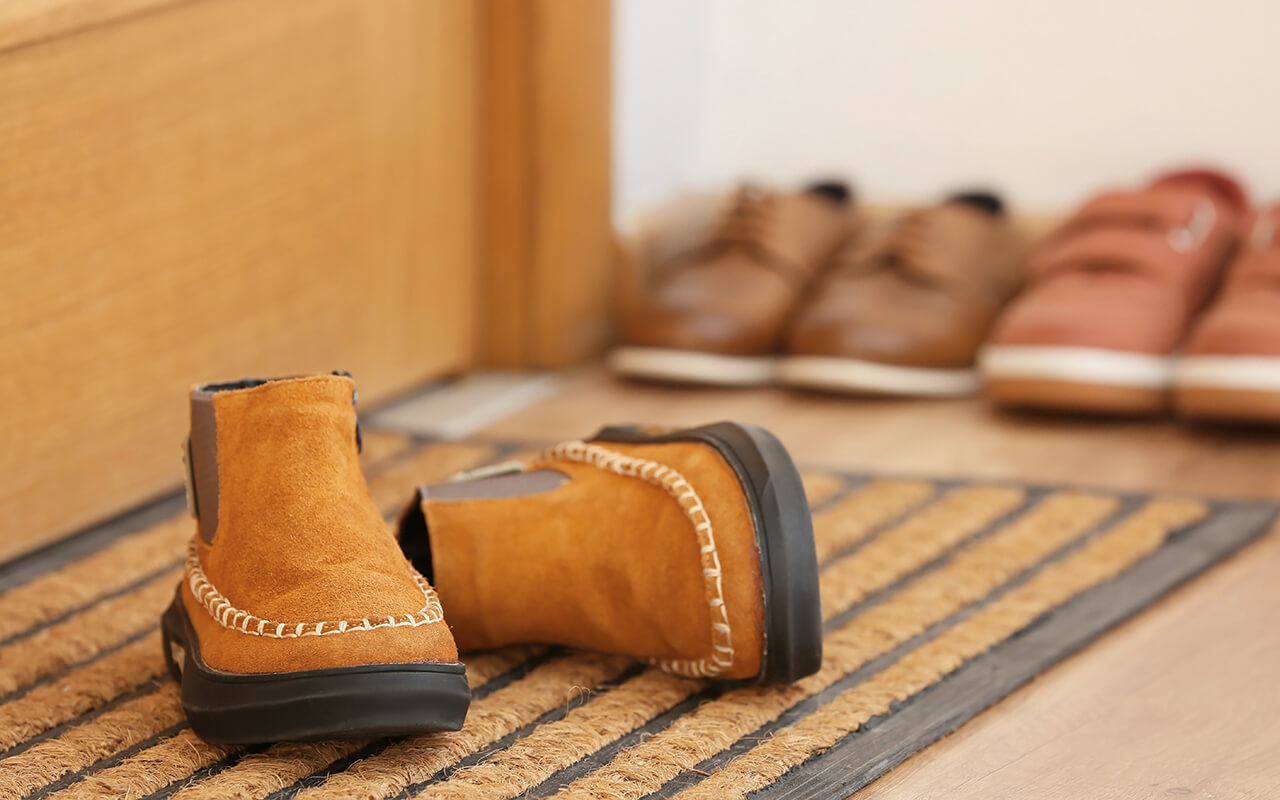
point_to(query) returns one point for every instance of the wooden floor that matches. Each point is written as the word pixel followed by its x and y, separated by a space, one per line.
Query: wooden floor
pixel 1181 702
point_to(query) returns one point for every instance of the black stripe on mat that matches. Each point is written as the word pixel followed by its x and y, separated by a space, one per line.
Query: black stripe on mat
pixel 53 677
pixel 850 483
pixel 1030 500
pixel 505 679
pixel 886 741
pixel 810 704
pixel 142 689
pixel 58 554
pixel 220 765
pixel 503 743
pixel 206 772
pixel 516 672
pixel 66 615
pixel 604 755
pixel 373 748
pixel 318 777
pixel 105 763
pixel 941 489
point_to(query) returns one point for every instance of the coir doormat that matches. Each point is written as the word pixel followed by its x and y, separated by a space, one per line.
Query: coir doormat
pixel 940 597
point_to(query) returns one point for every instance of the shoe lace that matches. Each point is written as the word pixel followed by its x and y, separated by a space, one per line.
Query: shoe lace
pixel 909 249
pixel 748 223
pixel 749 220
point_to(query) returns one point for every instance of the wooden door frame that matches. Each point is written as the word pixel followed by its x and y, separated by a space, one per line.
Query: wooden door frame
pixel 546 293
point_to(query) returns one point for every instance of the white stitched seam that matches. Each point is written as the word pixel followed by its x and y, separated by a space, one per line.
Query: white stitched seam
pixel 232 618
pixel 674 484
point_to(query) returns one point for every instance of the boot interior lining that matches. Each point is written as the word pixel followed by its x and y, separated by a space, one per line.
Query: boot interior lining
pixel 498 487
pixel 244 383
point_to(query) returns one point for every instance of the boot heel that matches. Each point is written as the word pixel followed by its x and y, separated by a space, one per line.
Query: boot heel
pixel 784 531
pixel 173 640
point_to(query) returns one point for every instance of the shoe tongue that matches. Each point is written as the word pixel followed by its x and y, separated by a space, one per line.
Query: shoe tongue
pixel 837 192
pixel 988 202
pixel 1219 183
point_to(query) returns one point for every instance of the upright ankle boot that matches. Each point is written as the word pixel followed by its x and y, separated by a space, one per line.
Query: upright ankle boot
pixel 693 550
pixel 299 617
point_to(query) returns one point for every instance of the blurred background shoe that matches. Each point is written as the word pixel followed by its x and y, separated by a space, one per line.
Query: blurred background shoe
pixel 1113 292
pixel 1230 369
pixel 905 311
pixel 713 307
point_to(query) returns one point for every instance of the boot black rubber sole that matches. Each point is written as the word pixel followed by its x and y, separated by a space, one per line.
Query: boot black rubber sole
pixel 360 702
pixel 784 532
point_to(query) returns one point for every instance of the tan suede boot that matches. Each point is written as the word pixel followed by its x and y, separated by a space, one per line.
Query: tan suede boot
pixel 299 617
pixel 691 549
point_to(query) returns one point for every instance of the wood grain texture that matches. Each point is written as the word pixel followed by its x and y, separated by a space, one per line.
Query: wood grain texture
pixel 24 22
pixel 220 189
pixel 507 183
pixel 1179 703
pixel 546 236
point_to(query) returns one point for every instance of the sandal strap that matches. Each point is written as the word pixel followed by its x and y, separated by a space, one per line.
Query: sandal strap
pixel 1148 233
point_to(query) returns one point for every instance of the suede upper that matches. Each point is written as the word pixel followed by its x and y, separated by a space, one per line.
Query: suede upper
pixel 646 550
pixel 302 572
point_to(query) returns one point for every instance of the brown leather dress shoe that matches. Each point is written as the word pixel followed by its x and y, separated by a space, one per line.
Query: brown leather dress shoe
pixel 691 549
pixel 715 311
pixel 1113 294
pixel 905 312
pixel 1230 367
pixel 299 617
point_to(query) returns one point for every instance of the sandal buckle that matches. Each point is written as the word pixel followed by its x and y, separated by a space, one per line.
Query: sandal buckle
pixel 1185 238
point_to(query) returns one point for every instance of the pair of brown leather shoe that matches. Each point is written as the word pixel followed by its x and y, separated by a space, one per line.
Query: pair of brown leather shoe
pixel 303 616
pixel 1164 295
pixel 799 288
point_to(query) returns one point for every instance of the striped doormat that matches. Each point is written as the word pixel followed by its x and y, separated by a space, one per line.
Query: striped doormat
pixel 939 599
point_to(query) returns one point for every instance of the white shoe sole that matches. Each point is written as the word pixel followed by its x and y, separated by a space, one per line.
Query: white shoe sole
pixel 1086 365
pixel 1237 373
pixel 691 366
pixel 1229 388
pixel 869 377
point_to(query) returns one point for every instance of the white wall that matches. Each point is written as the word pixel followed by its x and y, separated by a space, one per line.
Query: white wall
pixel 1045 101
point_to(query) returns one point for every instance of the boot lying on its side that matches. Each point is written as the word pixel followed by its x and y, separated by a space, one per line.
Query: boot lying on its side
pixel 299 618
pixel 693 550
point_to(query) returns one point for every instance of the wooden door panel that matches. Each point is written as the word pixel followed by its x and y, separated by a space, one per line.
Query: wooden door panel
pixel 212 190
